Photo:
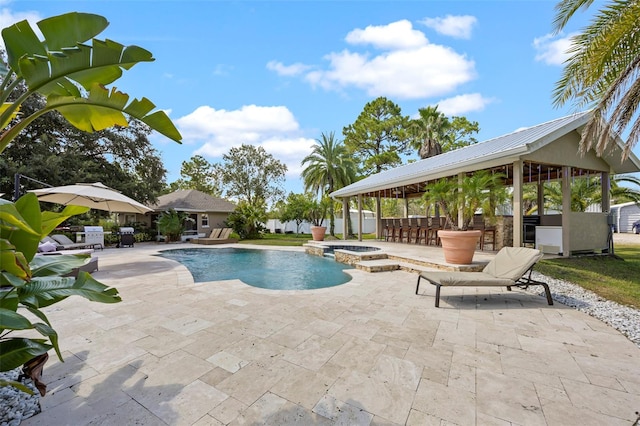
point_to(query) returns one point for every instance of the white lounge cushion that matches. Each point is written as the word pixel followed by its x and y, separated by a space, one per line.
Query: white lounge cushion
pixel 469 279
pixel 46 247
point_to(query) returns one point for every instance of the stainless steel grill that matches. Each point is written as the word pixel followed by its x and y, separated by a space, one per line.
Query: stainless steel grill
pixel 126 237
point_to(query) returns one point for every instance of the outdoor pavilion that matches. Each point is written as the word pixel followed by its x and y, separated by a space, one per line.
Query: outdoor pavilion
pixel 534 155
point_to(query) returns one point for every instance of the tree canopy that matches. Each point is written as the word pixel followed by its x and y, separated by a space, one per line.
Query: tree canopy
pixel 252 175
pixel 199 174
pixel 434 133
pixel 378 137
pixel 295 209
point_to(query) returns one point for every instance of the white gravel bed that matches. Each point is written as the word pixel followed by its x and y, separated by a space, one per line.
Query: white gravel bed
pixel 16 405
pixel 623 318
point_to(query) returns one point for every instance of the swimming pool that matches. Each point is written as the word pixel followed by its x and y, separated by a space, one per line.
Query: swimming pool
pixel 271 269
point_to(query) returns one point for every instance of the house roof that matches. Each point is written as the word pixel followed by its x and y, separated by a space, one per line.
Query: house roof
pixel 191 200
pixel 491 153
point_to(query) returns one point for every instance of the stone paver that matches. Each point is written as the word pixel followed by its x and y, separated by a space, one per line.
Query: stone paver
pixel 369 352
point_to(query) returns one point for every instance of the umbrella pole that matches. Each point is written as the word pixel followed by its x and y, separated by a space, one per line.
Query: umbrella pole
pixel 16 184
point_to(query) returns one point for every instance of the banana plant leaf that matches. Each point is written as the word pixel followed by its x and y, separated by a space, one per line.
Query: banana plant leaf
pixel 15 352
pixel 44 291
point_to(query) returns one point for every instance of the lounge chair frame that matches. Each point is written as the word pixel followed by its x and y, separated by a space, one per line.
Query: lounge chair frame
pixel 523 282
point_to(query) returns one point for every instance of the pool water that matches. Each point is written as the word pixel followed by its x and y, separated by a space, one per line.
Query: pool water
pixel 271 269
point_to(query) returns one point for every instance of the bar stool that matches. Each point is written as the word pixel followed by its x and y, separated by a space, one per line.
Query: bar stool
pixel 386 230
pixel 393 230
pixel 432 235
pixel 422 230
pixel 412 234
pixel 479 224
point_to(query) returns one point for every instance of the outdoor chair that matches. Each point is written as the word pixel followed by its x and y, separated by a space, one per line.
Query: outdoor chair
pixel 387 229
pixel 391 230
pixel 414 230
pixel 422 231
pixel 65 243
pixel 215 233
pixel 508 269
pixel 225 233
pixel 437 223
pixel 405 231
pixel 487 231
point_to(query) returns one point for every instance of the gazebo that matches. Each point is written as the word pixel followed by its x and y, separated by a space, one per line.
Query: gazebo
pixel 547 152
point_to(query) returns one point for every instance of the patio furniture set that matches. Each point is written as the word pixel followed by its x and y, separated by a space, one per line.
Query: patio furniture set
pixel 424 230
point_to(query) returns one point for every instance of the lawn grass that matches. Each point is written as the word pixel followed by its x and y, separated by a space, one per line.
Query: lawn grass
pixel 615 279
pixel 279 240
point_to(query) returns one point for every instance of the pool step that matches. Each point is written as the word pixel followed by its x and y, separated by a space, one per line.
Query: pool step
pixel 378 265
pixel 384 265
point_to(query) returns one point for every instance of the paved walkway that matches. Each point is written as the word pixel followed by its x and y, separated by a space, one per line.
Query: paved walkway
pixel 369 352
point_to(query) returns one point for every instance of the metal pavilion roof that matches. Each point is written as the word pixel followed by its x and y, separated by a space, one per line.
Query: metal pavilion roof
pixel 491 153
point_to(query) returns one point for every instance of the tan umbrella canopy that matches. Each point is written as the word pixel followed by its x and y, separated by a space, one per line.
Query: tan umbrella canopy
pixel 93 195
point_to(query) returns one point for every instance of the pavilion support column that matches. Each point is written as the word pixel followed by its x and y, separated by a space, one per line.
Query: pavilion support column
pixel 565 184
pixel 406 206
pixel 345 217
pixel 461 205
pixel 517 204
pixel 540 198
pixel 378 218
pixel 359 217
pixel 605 186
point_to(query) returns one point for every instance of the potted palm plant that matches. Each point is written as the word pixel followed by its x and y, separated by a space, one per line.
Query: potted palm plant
pixel 481 190
pixel 316 214
pixel 172 224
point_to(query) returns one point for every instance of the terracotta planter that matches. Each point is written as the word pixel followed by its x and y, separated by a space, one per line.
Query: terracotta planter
pixel 317 232
pixel 459 246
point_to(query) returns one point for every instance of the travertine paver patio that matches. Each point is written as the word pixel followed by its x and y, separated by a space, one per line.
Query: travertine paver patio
pixel 367 352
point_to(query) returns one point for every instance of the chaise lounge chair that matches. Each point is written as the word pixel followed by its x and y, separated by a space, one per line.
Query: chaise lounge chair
pixel 64 243
pixel 225 233
pixel 217 236
pixel 507 269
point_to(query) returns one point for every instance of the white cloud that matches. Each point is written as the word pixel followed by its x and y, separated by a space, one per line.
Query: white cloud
pixel 290 151
pixel 552 50
pixel 454 26
pixel 8 18
pixel 430 70
pixel 396 35
pixel 287 70
pixel 409 68
pixel 272 127
pixel 463 104
pixel 222 69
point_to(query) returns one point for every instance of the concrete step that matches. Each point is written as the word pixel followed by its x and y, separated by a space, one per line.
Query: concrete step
pixel 378 265
pixel 415 268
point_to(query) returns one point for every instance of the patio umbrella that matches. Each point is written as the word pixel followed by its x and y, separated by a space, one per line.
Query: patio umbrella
pixel 93 195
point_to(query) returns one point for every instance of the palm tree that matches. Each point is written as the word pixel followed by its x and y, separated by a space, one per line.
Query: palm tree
pixel 623 194
pixel 329 167
pixel 587 191
pixel 429 131
pixel 602 72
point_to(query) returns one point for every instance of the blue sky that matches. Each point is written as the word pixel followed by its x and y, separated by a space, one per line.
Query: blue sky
pixel 279 73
